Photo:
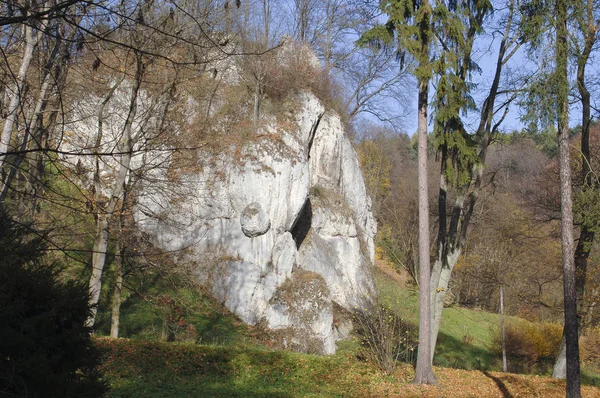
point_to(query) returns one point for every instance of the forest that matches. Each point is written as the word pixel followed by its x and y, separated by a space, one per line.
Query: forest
pixel 299 198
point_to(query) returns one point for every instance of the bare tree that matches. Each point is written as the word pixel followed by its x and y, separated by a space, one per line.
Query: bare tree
pixel 15 92
pixel 105 212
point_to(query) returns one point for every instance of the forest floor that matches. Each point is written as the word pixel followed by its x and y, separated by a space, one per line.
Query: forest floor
pixel 136 368
pixel 228 359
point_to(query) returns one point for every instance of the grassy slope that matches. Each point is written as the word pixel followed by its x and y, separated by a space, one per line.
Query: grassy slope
pixel 465 335
pixel 156 369
pixel 241 368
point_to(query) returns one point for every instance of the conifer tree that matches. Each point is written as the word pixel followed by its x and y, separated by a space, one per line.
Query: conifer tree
pixel 410 25
pixel 455 26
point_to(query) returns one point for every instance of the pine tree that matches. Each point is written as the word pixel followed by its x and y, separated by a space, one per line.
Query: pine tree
pixel 410 26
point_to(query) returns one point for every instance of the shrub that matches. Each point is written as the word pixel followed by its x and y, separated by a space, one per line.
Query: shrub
pixel 45 351
pixel 590 348
pixel 386 338
pixel 175 326
pixel 528 345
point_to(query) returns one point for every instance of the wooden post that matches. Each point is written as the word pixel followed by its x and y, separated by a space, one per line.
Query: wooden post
pixel 504 366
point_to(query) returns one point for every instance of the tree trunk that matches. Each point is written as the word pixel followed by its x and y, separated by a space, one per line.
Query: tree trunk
pixel 33 128
pixel 451 238
pixel 115 317
pixel 570 293
pixel 423 371
pixel 586 236
pixel 440 279
pixel 16 98
pixel 104 215
pixel 56 70
pixel 116 299
pixel 560 366
pixel 266 12
pixel 257 95
pixel 504 364
pixel 98 260
pixel 582 252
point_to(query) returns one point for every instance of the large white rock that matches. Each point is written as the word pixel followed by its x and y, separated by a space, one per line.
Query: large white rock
pixel 279 234
pixel 255 222
pixel 334 166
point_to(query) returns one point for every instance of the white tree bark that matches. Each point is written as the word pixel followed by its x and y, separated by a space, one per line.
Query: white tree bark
pixel 115 317
pixel 560 366
pixel 16 94
pixel 440 279
pixel 105 214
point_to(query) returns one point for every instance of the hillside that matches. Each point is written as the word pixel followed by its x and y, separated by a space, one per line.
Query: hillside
pixel 242 365
pixel 154 369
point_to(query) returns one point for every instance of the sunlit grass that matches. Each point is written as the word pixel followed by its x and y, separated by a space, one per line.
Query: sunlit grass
pixel 227 360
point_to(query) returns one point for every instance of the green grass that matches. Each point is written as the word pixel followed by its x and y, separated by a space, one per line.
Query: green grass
pixel 143 315
pixel 155 369
pixel 465 335
pixel 136 368
pixel 590 376
pixel 226 360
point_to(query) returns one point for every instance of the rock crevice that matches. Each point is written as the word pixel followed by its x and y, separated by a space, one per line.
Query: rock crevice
pixel 282 236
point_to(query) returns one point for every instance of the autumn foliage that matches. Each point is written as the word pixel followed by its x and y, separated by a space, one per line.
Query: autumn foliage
pixel 529 346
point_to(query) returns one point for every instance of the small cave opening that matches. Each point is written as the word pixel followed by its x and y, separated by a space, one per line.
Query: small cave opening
pixel 303 223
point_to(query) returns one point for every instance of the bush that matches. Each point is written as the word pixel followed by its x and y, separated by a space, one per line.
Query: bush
pixel 590 348
pixel 45 351
pixel 294 68
pixel 386 338
pixel 529 346
pixel 175 326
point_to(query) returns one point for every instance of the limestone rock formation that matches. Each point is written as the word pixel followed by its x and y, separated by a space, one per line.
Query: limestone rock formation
pixel 279 227
pixel 255 222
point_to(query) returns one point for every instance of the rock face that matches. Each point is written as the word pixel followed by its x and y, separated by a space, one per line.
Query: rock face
pixel 280 227
pixel 255 222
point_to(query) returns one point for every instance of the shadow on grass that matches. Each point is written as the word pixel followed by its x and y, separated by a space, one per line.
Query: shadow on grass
pixel 453 353
pixel 501 386
pixel 215 328
pixel 589 377
pixel 153 370
pixel 184 390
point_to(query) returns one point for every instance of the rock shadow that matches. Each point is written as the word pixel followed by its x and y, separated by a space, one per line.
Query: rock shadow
pixel 303 224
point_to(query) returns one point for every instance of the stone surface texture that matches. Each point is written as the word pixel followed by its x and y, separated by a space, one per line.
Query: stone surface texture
pixel 279 227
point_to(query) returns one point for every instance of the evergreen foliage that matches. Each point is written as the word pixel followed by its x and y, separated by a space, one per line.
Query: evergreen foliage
pixel 407 27
pixel 45 351
pixel 457 25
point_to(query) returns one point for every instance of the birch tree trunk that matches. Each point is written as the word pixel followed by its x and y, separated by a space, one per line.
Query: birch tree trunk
pixel 16 98
pixel 105 214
